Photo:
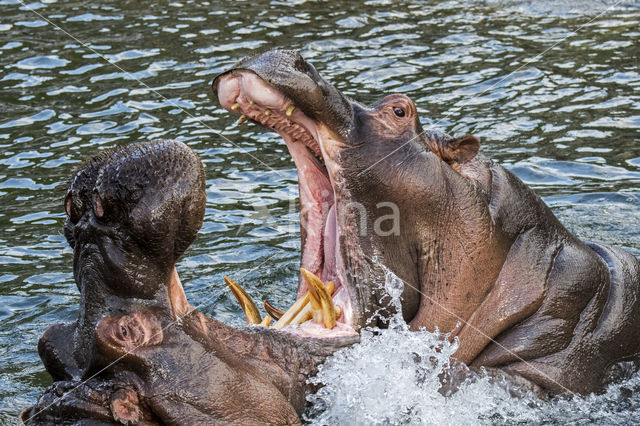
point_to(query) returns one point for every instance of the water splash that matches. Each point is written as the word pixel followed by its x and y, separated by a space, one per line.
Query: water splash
pixel 393 377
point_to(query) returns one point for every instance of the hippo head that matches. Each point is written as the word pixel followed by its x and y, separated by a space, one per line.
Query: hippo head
pixel 138 351
pixel 131 213
pixel 357 176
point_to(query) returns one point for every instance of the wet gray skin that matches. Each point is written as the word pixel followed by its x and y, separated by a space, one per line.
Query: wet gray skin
pixel 473 244
pixel 369 161
pixel 139 352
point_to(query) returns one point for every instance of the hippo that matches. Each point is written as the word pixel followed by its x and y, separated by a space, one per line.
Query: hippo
pixel 481 256
pixel 139 352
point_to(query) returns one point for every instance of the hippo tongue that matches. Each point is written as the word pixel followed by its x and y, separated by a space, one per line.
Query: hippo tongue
pixel 330 238
pixel 316 196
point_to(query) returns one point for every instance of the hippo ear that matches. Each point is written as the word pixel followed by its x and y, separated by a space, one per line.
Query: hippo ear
pixel 461 150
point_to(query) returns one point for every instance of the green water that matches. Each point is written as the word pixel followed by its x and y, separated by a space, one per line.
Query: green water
pixel 567 122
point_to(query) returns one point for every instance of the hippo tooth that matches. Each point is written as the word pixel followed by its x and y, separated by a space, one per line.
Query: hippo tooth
pixel 242 119
pixel 267 112
pixel 307 313
pixel 292 312
pixel 289 110
pixel 249 308
pixel 251 102
pixel 235 106
pixel 300 311
pixel 272 310
pixel 322 306
pixel 265 322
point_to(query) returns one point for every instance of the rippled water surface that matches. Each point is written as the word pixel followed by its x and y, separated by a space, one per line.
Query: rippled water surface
pixel 552 90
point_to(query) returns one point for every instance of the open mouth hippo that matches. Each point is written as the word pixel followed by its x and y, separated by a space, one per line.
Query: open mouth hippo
pixel 472 243
pixel 138 352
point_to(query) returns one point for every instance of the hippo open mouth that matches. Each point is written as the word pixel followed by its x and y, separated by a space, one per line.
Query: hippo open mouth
pixel 138 352
pixel 477 247
pixel 537 302
pixel 244 90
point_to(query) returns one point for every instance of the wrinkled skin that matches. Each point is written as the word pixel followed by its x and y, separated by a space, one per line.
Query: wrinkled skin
pixel 139 352
pixel 475 245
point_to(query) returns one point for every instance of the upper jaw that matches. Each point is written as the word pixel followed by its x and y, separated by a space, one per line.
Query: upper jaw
pixel 286 72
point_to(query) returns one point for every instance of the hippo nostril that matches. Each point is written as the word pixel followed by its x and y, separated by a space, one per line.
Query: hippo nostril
pixel 310 70
pixel 398 111
pixel 67 204
pixel 97 206
pixel 74 207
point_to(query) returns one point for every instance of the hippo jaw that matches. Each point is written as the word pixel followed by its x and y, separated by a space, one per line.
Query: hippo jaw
pixel 358 163
pixel 138 351
pixel 314 119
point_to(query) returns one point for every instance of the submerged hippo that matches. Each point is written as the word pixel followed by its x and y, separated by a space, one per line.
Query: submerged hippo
pixel 139 353
pixel 472 243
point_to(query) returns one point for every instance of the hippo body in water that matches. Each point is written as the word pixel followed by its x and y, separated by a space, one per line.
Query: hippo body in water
pixel 139 353
pixel 472 243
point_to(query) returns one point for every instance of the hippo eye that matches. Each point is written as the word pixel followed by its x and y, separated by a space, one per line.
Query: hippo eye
pixel 398 111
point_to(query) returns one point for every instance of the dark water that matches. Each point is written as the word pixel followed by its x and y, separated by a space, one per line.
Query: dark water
pixel 567 122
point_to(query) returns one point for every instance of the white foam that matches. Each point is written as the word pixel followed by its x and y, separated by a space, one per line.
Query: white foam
pixel 391 377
